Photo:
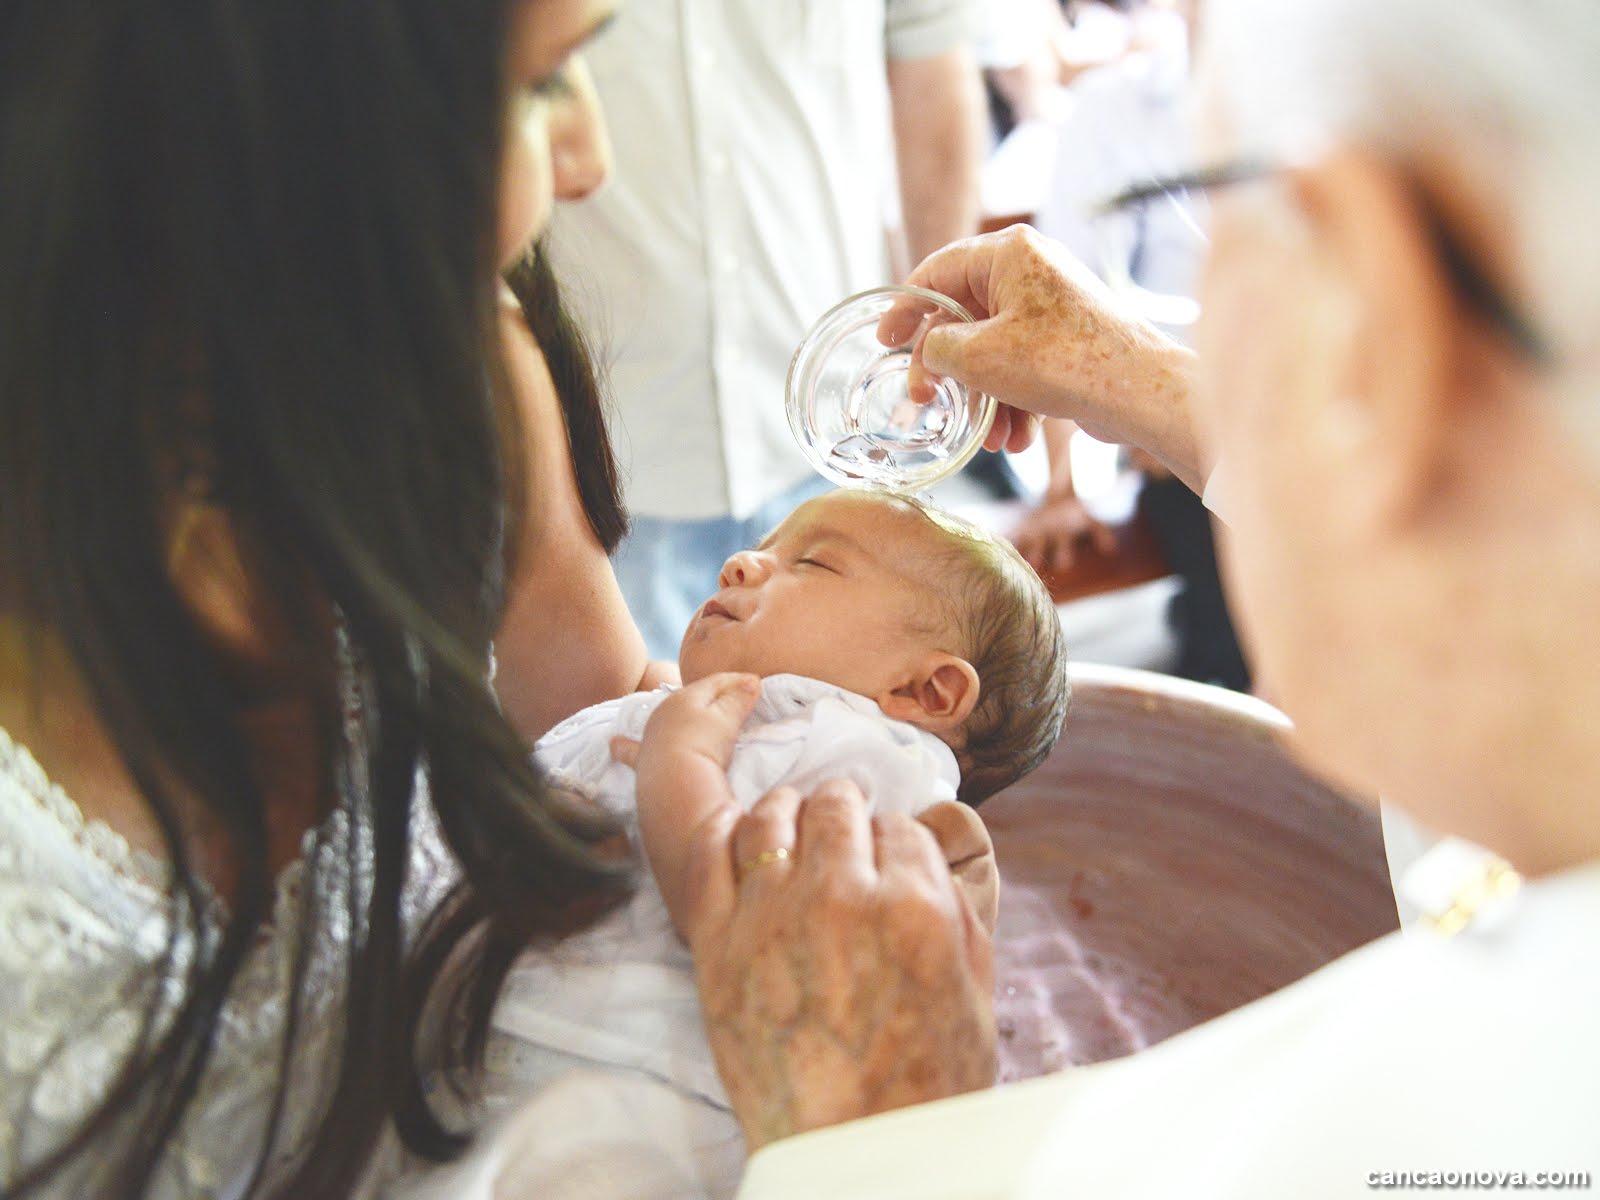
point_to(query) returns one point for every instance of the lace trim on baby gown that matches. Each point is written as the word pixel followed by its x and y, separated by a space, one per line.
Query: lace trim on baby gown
pixel 84 922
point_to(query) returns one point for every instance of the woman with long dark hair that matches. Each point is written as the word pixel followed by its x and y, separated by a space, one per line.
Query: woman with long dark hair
pixel 260 474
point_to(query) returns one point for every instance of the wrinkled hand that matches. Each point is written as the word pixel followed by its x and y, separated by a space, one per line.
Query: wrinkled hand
pixel 1050 535
pixel 1051 339
pixel 968 852
pixel 846 978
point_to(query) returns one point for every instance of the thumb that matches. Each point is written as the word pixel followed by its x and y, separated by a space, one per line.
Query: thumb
pixel 737 693
pixel 948 349
pixel 727 698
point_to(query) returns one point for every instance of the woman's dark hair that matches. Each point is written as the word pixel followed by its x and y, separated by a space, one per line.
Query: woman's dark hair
pixel 257 236
pixel 577 381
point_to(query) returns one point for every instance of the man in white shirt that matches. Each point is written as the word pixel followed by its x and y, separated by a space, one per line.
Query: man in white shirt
pixel 757 146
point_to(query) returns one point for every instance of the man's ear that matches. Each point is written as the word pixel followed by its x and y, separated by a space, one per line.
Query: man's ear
pixel 1388 416
pixel 938 695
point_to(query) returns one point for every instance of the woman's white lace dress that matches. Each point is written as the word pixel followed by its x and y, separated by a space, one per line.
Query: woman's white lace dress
pixel 83 935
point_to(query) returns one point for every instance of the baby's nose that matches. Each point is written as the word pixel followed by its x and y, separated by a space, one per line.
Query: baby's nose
pixel 745 569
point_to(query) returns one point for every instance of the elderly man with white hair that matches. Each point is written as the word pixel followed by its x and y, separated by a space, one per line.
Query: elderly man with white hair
pixel 1395 405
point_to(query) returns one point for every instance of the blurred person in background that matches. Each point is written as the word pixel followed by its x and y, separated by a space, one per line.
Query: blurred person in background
pixel 757 149
pixel 1123 124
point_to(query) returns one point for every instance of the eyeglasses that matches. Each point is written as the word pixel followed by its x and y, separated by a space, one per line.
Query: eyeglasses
pixel 1469 280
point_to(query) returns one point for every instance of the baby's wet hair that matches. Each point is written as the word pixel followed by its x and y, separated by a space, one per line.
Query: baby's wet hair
pixel 1010 632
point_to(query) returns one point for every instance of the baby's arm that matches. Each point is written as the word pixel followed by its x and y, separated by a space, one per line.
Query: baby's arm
pixel 682 766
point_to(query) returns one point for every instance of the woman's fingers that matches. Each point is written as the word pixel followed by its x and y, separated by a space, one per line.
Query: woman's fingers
pixel 921 897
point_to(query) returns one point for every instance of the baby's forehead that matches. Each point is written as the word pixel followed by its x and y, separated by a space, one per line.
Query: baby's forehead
pixel 896 536
pixel 880 528
pixel 867 517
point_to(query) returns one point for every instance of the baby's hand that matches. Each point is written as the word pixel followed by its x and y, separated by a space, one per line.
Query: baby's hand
pixel 701 719
pixel 682 765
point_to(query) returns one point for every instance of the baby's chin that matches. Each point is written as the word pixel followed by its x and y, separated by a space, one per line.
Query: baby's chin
pixel 696 662
pixel 695 666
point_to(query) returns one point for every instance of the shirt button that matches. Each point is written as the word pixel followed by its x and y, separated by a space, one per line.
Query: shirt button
pixel 716 162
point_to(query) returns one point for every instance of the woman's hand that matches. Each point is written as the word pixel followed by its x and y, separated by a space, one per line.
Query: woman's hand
pixel 841 970
pixel 1050 339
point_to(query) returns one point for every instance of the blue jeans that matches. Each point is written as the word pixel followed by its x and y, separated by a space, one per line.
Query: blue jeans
pixel 668 568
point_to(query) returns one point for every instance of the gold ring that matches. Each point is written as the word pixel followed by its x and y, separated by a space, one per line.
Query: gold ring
pixel 776 854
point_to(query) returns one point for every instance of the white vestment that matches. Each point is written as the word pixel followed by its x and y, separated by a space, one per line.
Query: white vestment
pixel 1474 1056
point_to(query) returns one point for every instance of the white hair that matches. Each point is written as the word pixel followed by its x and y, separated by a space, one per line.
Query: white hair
pixel 1504 94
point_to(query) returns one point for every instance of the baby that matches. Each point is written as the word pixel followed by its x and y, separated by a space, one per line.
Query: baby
pixel 898 647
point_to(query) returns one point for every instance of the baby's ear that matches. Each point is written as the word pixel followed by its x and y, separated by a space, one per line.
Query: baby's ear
pixel 939 695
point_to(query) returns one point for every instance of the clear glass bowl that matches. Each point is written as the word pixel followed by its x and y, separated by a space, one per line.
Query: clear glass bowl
pixel 849 402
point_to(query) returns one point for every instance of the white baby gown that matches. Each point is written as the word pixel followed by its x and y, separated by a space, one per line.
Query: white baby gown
pixel 621 996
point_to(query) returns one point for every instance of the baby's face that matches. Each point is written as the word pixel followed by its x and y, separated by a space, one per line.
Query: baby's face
pixel 843 591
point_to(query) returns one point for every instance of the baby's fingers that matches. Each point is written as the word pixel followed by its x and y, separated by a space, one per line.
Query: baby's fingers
pixel 625 750
pixel 724 698
pixel 702 718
